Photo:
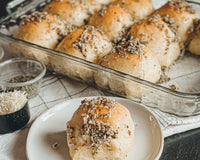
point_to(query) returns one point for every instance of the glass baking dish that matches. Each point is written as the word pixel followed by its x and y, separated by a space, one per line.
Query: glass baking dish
pixel 184 74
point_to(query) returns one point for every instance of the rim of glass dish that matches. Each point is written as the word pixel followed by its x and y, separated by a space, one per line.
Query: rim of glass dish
pixel 23 59
pixel 189 96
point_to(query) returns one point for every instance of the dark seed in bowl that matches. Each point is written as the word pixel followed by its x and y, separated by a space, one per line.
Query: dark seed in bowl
pixel 19 79
pixel 31 89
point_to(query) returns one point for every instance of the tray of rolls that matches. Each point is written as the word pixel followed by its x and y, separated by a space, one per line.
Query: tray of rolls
pixel 146 51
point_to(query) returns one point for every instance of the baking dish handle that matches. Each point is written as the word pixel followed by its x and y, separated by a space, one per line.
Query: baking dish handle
pixel 17 8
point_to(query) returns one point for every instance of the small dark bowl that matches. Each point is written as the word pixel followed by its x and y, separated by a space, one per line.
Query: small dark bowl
pixel 14 121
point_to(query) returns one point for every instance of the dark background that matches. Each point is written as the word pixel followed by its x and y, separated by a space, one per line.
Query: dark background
pixel 184 146
pixel 3 6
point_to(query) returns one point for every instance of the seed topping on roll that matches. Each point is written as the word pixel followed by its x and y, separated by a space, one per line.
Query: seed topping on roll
pixel 170 21
pixel 86 38
pixel 179 16
pixel 179 5
pixel 129 44
pixel 38 17
pixel 35 17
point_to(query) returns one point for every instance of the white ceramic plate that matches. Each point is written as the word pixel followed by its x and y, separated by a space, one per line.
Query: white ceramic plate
pixel 50 127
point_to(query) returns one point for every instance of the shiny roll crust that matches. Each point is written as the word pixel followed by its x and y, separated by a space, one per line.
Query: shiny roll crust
pixel 100 129
pixel 87 43
pixel 71 11
pixel 112 20
pixel 42 29
pixel 137 9
pixel 133 58
pixel 180 17
pixel 157 36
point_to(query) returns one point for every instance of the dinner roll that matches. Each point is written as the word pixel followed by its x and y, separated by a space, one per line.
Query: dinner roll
pixel 72 11
pixel 113 21
pixel 139 65
pixel 137 9
pixel 180 17
pixel 194 45
pixel 100 129
pixel 42 29
pixel 133 58
pixel 157 36
pixel 96 5
pixel 87 43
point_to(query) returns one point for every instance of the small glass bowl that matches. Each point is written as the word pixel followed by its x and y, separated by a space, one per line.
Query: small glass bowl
pixel 23 74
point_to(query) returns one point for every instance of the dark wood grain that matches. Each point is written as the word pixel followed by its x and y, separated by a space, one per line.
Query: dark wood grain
pixel 184 146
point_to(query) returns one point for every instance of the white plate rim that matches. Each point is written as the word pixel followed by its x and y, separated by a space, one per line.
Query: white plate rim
pixel 89 97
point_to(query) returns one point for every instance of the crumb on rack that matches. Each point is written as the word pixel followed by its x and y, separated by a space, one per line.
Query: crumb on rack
pixel 174 88
pixel 55 146
pixel 163 77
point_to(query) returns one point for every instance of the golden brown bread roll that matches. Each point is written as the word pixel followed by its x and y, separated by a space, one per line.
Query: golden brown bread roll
pixel 112 20
pixel 133 58
pixel 87 43
pixel 100 129
pixel 72 11
pixel 42 29
pixel 96 5
pixel 157 36
pixel 194 45
pixel 137 9
pixel 180 17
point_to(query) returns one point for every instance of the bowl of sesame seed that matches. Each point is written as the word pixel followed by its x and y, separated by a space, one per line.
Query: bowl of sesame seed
pixel 23 74
pixel 14 111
